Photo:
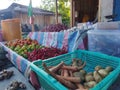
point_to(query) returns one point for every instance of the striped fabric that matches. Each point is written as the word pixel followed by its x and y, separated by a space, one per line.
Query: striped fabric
pixel 62 40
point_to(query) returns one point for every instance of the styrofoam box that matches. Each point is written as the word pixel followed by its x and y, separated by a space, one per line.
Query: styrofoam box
pixel 107 26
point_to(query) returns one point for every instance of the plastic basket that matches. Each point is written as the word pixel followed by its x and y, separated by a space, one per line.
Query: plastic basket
pixel 92 59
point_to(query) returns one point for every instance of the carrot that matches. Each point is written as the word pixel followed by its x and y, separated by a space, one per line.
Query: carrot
pixel 72 68
pixel 71 79
pixel 71 74
pixel 62 72
pixel 80 87
pixel 66 74
pixel 60 79
pixel 55 68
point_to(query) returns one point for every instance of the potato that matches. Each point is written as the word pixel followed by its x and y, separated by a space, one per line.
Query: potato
pixel 103 72
pixel 98 68
pixel 89 78
pixel 91 84
pixel 97 77
pixel 90 73
pixel 78 74
pixel 83 72
pixel 108 69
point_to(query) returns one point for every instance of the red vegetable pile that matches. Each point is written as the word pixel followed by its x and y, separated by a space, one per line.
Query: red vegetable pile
pixel 44 53
pixel 55 28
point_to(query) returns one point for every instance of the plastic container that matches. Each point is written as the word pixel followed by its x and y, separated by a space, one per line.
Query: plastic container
pixel 107 26
pixel 104 41
pixel 92 59
pixel 11 29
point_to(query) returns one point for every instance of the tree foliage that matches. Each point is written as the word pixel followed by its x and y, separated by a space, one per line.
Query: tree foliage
pixel 63 9
pixel 47 5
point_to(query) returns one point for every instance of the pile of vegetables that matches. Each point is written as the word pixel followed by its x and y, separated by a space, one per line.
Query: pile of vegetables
pixel 44 53
pixel 74 77
pixel 55 28
pixel 32 50
pixel 21 42
pixel 22 46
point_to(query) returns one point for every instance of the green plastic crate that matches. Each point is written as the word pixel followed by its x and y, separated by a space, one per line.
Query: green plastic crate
pixel 92 59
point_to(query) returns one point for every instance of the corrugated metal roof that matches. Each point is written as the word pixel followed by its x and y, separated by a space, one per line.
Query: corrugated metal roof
pixel 24 9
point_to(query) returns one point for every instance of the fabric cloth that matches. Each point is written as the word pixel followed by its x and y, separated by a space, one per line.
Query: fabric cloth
pixel 67 40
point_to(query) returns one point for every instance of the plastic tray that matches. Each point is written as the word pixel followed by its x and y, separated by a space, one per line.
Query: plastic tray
pixel 92 59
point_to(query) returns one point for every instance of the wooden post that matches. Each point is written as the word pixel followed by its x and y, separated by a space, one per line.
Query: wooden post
pixel 72 17
pixel 33 28
pixel 56 13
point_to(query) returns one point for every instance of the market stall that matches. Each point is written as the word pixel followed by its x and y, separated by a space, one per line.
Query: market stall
pixel 67 40
pixel 62 40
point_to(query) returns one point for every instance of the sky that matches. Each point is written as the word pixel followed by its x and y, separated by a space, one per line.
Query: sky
pixel 6 3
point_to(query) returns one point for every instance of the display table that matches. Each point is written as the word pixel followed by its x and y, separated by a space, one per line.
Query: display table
pixel 17 76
